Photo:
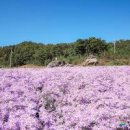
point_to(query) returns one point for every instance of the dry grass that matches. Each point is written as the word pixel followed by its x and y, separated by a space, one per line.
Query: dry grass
pixel 31 66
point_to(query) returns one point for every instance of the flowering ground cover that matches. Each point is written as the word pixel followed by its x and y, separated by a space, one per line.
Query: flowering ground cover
pixel 75 98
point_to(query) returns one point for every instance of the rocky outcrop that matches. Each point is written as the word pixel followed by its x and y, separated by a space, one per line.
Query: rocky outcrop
pixel 57 63
pixel 68 65
pixel 91 60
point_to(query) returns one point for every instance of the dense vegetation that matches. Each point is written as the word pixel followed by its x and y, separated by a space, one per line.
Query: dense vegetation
pixel 75 53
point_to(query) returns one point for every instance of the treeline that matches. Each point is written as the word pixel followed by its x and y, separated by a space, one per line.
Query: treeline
pixel 74 53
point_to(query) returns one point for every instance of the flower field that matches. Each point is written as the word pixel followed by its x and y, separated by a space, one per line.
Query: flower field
pixel 68 98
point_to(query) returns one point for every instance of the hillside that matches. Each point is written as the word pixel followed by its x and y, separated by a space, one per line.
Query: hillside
pixel 74 53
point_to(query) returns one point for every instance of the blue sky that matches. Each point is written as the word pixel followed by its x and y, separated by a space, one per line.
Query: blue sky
pixel 57 21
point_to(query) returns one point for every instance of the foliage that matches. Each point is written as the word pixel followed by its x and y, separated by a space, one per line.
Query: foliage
pixel 41 54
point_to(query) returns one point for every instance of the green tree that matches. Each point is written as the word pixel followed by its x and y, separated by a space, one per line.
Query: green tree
pixel 80 47
pixel 96 46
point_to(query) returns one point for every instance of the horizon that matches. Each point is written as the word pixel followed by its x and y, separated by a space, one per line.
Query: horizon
pixel 13 44
pixel 48 21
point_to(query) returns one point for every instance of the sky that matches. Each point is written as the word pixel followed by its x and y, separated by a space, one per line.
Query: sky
pixel 61 21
